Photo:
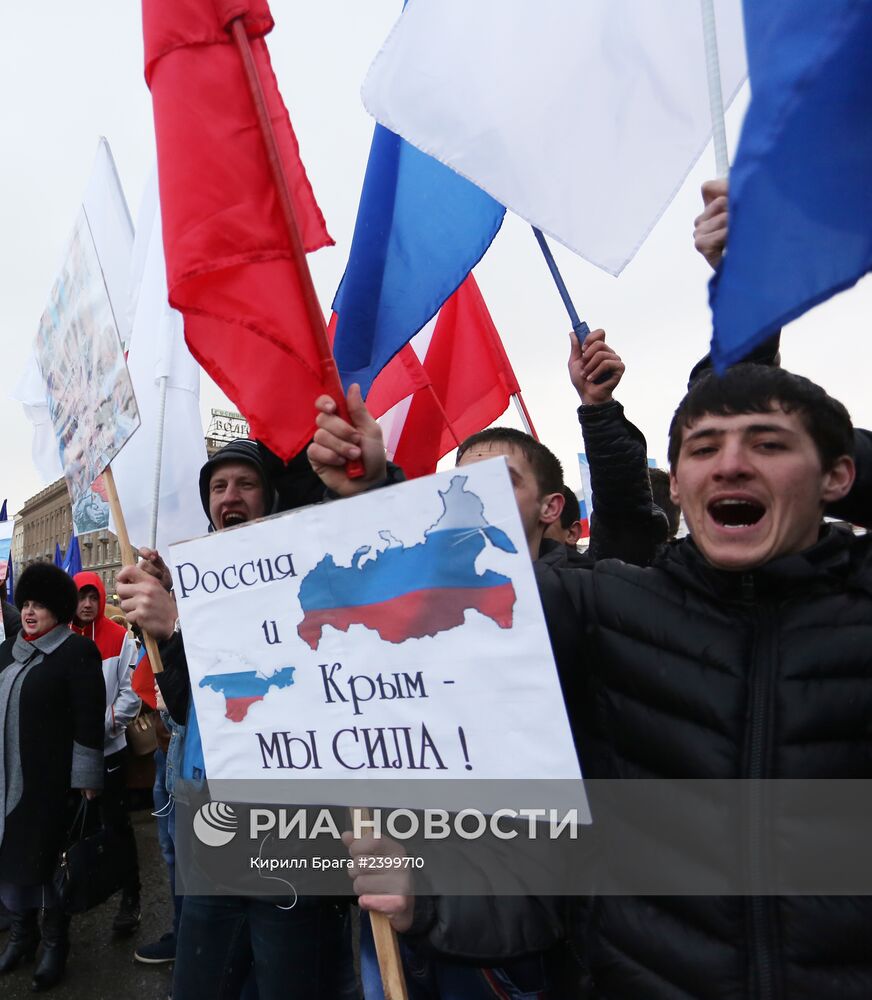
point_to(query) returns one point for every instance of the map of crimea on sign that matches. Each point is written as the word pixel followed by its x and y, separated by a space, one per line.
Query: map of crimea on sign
pixel 407 593
pixel 242 688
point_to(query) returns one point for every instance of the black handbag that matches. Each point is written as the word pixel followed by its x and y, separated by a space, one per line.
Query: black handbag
pixel 91 867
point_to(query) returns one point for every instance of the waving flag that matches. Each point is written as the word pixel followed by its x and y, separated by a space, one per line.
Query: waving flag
pixel 420 230
pixel 72 563
pixel 800 191
pixel 582 118
pixel 230 267
pixel 458 380
pixel 157 352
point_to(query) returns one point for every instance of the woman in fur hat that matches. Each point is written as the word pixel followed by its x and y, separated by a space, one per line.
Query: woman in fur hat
pixel 52 702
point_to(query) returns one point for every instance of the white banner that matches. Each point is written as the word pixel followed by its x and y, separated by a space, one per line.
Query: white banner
pixel 398 634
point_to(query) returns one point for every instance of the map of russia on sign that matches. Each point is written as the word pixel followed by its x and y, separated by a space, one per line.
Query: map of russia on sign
pixel 409 592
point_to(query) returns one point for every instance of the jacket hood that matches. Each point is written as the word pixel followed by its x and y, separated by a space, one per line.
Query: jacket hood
pixel 108 635
pixel 240 450
pixel 87 579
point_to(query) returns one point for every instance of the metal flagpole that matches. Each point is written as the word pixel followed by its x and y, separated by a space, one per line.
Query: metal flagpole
pixel 525 415
pixel 579 327
pixel 155 503
pixel 716 97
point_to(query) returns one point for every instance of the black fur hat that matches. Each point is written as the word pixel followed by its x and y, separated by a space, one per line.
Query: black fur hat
pixel 50 586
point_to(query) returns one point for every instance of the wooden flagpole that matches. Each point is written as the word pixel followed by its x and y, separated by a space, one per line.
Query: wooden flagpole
pixel 310 298
pixel 387 947
pixel 128 557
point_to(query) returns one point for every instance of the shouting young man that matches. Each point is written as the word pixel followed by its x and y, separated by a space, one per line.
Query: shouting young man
pixel 744 652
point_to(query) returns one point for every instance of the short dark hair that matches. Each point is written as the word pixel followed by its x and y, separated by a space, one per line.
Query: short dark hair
pixel 760 389
pixel 545 464
pixel 663 498
pixel 571 510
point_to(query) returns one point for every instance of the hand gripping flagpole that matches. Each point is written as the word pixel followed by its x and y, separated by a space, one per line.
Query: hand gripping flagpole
pixel 716 97
pixel 387 946
pixel 354 468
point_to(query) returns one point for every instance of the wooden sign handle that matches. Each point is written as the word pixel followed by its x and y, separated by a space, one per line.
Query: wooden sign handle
pixel 387 947
pixel 128 558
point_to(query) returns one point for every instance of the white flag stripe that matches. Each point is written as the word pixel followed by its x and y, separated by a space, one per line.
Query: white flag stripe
pixel 582 118
pixel 394 420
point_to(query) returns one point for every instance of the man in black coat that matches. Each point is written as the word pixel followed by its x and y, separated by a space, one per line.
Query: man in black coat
pixel 744 652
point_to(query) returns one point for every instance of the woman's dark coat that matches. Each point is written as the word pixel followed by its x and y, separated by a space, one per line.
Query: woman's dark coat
pixel 52 703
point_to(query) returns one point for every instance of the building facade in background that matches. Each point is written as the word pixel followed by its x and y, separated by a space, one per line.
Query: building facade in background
pixel 46 519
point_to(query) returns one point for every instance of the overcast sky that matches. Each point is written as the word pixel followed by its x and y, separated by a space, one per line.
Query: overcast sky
pixel 71 72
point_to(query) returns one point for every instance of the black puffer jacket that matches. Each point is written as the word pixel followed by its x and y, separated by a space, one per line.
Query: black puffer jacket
pixel 696 672
pixel 492 930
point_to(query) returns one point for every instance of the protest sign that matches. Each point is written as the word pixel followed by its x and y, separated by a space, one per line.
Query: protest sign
pixel 90 397
pixel 398 634
pixel 109 224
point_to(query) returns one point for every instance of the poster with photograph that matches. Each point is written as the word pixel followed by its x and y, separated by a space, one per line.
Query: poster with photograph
pixel 91 510
pixel 88 389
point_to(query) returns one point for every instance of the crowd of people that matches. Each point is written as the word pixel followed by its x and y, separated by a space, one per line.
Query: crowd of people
pixel 739 651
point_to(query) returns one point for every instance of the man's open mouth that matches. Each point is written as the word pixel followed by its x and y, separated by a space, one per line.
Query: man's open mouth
pixel 231 518
pixel 736 513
